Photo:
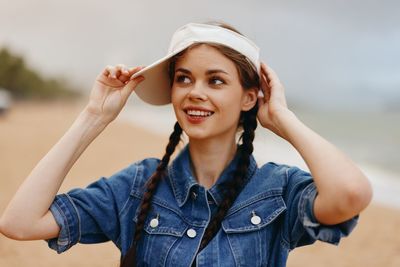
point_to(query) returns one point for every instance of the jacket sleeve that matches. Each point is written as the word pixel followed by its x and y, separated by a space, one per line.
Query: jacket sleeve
pixel 302 228
pixel 93 214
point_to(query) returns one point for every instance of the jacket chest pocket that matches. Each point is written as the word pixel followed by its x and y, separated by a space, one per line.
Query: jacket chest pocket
pixel 252 228
pixel 163 228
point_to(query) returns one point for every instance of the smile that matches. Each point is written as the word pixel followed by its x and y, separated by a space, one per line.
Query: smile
pixel 199 113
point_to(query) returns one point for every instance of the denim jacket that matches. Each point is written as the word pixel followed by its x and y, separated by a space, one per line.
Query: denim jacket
pixel 272 215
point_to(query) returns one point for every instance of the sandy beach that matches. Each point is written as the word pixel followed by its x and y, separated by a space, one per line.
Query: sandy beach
pixel 30 129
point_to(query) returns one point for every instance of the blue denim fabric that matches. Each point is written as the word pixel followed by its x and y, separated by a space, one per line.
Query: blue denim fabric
pixel 280 195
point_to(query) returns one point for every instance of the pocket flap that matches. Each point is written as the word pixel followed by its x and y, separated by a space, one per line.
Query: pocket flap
pixel 168 222
pixel 267 207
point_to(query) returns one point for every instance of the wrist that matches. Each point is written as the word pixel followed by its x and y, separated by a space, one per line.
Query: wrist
pixel 284 121
pixel 95 116
pixel 92 120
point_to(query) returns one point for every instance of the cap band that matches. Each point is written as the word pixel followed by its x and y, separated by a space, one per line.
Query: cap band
pixel 155 89
pixel 197 33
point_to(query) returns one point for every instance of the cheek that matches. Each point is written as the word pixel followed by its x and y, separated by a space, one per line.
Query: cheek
pixel 177 97
pixel 174 96
pixel 232 104
pixel 231 111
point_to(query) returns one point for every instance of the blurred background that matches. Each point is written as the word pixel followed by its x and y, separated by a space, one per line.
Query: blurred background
pixel 338 60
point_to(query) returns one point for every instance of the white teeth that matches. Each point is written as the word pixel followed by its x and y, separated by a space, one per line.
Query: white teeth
pixel 199 113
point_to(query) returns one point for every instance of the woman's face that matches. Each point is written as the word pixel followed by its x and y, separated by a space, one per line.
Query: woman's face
pixel 207 95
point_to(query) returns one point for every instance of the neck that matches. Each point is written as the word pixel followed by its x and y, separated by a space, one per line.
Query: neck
pixel 210 158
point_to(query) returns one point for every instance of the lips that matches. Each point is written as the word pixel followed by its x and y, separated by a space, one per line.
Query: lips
pixel 197 114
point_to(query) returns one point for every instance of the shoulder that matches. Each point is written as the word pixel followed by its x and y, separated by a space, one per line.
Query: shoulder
pixel 281 172
pixel 144 168
pixel 280 176
pixel 133 176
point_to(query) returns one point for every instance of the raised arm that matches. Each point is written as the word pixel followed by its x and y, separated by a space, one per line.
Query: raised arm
pixel 27 216
pixel 343 190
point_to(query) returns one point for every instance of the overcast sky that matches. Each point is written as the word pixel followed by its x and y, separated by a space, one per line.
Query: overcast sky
pixel 327 53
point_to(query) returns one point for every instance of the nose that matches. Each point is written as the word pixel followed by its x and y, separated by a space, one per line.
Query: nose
pixel 197 92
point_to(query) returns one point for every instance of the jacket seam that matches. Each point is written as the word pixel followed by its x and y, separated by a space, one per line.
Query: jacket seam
pixel 79 217
pixel 283 233
pixel 270 193
pixel 131 189
pixel 66 226
pixel 163 204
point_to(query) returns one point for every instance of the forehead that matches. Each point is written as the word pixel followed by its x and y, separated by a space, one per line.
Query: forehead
pixel 205 57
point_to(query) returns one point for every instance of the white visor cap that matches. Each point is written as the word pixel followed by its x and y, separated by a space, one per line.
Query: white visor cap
pixel 155 89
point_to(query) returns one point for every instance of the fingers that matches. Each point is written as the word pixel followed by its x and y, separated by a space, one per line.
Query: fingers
pixel 265 72
pixel 265 87
pixel 114 71
pixel 272 77
pixel 260 102
pixel 270 80
pixel 131 85
pixel 120 72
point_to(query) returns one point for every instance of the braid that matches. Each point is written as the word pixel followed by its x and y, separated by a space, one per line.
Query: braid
pixel 233 188
pixel 129 259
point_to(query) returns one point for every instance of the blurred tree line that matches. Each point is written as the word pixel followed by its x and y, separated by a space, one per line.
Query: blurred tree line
pixel 25 83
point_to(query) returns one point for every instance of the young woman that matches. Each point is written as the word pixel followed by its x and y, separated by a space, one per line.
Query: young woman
pixel 212 205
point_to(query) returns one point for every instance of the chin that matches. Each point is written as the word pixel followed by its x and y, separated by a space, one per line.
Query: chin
pixel 195 134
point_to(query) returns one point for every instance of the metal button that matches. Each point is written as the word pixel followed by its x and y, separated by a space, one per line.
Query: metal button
pixel 255 219
pixel 194 195
pixel 191 233
pixel 154 222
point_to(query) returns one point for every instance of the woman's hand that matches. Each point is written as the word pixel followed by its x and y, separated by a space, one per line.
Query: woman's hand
pixel 341 194
pixel 111 91
pixel 273 103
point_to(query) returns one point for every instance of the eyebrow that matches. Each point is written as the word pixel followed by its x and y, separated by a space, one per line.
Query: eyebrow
pixel 208 72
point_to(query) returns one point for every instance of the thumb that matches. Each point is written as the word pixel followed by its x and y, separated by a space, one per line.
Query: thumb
pixel 262 107
pixel 260 101
pixel 130 86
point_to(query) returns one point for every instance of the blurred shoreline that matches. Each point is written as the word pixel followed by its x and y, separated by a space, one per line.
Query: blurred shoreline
pixel 269 147
pixel 30 129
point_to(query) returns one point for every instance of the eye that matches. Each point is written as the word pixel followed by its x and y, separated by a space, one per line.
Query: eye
pixel 182 79
pixel 215 80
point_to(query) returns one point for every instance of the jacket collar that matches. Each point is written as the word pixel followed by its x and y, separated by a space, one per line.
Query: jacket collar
pixel 182 178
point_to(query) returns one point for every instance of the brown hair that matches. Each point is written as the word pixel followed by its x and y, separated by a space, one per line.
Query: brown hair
pixel 248 121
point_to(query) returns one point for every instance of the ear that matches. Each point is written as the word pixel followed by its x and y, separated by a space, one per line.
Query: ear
pixel 249 98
